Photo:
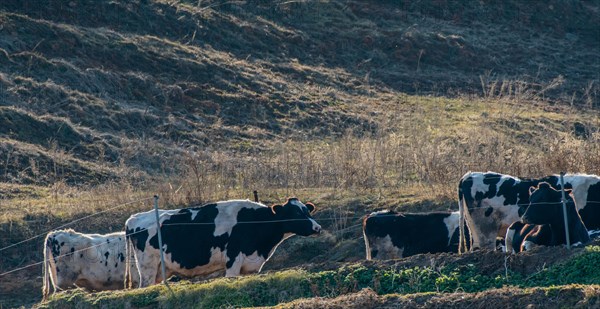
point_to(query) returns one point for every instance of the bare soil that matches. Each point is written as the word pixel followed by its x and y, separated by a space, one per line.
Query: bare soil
pixel 508 297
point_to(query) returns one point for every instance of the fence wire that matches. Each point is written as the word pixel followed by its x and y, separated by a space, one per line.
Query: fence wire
pixel 70 253
pixel 71 222
pixel 338 218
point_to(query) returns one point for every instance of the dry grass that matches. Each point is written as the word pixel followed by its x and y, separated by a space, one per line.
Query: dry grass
pixel 129 84
pixel 419 148
pixel 107 102
pixel 439 141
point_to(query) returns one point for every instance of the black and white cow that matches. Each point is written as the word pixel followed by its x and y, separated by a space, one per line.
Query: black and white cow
pixel 522 237
pixel 92 261
pixel 238 236
pixel 546 211
pixel 490 202
pixel 392 235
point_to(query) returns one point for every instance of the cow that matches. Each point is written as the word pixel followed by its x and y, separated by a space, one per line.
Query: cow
pixel 490 202
pixel 238 236
pixel 546 209
pixel 522 237
pixel 392 235
pixel 92 261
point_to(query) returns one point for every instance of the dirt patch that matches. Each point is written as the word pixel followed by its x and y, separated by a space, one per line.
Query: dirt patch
pixel 560 297
pixel 366 298
pixel 488 262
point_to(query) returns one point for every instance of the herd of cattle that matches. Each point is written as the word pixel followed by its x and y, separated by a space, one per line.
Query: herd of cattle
pixel 239 236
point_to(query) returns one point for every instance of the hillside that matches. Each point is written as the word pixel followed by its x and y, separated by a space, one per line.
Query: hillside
pixel 103 90
pixel 354 105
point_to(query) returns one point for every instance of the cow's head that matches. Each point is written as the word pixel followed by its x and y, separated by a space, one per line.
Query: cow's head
pixel 545 205
pixel 296 217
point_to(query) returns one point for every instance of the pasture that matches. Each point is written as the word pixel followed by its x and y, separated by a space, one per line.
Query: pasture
pixel 355 107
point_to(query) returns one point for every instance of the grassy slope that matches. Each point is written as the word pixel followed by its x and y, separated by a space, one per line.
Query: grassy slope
pixel 396 281
pixel 101 92
pixel 94 90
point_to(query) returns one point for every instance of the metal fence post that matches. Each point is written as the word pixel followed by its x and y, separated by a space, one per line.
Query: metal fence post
pixel 564 203
pixel 160 246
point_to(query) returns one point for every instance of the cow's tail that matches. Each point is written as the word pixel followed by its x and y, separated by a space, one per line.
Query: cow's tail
pixel 128 282
pixel 47 269
pixel 462 239
pixel 461 223
pixel 367 247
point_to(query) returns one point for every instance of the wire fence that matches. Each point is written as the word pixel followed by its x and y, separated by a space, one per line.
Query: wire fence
pixel 176 212
pixel 337 218
pixel 339 231
pixel 70 253
pixel 72 222
pixel 382 213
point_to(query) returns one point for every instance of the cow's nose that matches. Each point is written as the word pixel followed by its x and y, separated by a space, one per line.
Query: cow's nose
pixel 317 229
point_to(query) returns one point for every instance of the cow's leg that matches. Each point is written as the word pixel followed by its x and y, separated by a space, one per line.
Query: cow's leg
pixel 527 245
pixel 252 264
pixel 148 263
pixel 159 277
pixel 508 240
pixel 234 267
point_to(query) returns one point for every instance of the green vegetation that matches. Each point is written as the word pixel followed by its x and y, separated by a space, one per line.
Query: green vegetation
pixel 284 286
pixel 582 270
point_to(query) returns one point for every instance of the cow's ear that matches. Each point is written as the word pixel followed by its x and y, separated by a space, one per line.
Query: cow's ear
pixel 531 189
pixel 311 207
pixel 276 209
